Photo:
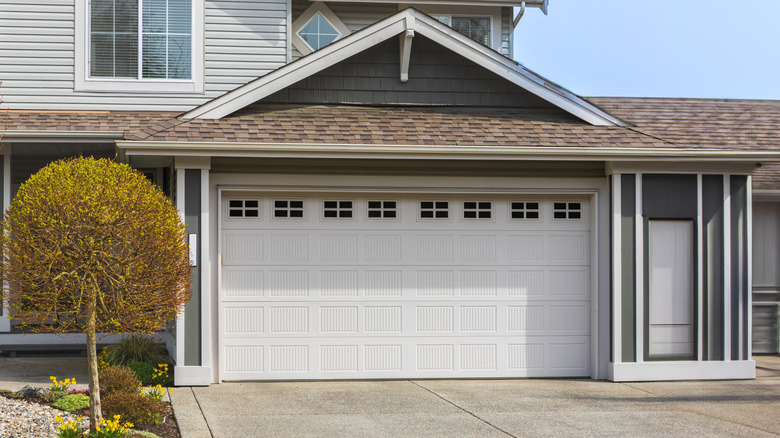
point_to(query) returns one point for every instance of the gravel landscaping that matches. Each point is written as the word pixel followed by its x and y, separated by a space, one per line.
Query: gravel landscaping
pixel 20 419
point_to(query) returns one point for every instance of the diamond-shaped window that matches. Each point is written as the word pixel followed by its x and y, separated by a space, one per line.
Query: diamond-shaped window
pixel 318 32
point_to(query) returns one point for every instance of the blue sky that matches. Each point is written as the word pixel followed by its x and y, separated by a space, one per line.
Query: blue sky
pixel 681 48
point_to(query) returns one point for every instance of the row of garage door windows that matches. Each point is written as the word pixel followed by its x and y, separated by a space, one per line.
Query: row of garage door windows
pixel 333 209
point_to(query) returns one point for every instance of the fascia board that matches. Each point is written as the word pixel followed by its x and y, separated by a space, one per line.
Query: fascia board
pixel 379 151
pixel 381 31
pixel 70 136
pixel 290 74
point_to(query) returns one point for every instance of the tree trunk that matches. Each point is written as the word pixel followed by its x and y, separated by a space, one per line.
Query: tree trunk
pixel 95 409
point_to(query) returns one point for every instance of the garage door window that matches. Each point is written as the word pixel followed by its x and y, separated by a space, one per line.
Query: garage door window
pixel 477 210
pixel 567 210
pixel 382 209
pixel 243 208
pixel 288 208
pixel 524 210
pixel 434 209
pixel 337 209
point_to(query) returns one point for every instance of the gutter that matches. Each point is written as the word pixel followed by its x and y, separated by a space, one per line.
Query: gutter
pixel 65 136
pixel 416 152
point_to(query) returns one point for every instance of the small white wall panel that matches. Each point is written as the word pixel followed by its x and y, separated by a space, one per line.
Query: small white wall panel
pixel 288 283
pixel 383 319
pixel 435 357
pixel 237 282
pixel 383 283
pixel 671 292
pixel 435 283
pixel 383 357
pixel 404 297
pixel 339 283
pixel 525 283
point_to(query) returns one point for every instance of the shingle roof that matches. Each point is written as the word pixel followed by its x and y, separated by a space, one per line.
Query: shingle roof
pixel 677 123
pixel 707 123
pixel 445 126
pixel 702 123
pixel 81 121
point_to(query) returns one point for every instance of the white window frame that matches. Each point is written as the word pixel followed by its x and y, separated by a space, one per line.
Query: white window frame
pixel 306 16
pixel 494 12
pixel 83 82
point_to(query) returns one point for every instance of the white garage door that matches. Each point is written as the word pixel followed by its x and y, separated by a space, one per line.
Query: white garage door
pixel 357 285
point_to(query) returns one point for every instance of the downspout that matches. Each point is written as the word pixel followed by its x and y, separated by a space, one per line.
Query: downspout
pixel 518 16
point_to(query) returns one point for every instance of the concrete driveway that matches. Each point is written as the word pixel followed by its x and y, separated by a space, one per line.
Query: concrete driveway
pixel 484 408
pixel 456 408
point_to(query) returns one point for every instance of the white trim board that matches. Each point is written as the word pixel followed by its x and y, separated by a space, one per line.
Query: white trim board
pixel 413 20
pixel 682 370
pixel 668 156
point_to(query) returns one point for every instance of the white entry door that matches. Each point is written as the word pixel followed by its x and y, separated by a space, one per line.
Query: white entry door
pixel 383 285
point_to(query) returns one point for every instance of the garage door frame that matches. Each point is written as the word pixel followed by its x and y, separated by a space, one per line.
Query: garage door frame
pixel 456 186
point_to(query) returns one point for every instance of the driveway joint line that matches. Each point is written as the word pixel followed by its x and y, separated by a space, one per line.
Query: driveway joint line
pixel 638 389
pixel 464 409
pixel 200 408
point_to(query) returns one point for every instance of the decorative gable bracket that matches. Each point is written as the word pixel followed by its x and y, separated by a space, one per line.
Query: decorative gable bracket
pixel 406 47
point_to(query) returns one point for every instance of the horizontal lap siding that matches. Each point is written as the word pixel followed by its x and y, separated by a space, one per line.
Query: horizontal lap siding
pixel 244 40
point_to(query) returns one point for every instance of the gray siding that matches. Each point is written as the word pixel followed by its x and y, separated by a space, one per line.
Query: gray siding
pixel 243 40
pixel 437 76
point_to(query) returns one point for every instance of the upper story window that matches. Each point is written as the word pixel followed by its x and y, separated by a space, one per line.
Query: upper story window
pixel 476 28
pixel 141 39
pixel 316 27
pixel 139 45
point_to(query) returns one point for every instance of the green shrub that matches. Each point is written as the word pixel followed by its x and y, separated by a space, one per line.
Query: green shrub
pixel 144 371
pixel 73 402
pixel 135 408
pixel 10 394
pixel 135 348
pixel 143 433
pixel 119 379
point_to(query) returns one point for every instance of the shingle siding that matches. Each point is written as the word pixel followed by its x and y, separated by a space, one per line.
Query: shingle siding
pixel 437 76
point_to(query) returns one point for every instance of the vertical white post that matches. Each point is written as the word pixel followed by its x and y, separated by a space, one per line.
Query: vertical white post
pixel 180 318
pixel 700 266
pixel 640 273
pixel 617 290
pixel 749 219
pixel 5 320
pixel 727 267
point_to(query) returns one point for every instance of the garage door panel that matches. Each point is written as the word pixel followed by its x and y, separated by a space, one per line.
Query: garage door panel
pixel 431 282
pixel 385 357
pixel 504 295
pixel 405 319
pixel 242 247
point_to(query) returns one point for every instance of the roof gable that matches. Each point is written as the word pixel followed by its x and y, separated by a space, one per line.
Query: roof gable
pixel 408 22
pixel 437 77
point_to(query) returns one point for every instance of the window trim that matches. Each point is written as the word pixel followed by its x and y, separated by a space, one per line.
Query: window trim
pixel 494 12
pixel 82 81
pixel 306 16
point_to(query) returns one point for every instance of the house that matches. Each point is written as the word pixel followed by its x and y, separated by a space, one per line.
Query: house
pixel 375 190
